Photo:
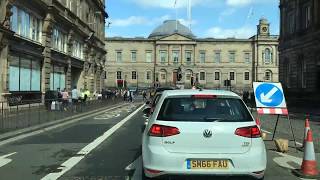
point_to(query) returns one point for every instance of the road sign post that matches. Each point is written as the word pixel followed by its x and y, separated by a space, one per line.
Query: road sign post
pixel 270 100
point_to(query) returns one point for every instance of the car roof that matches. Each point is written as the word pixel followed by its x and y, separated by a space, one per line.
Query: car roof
pixel 159 89
pixel 198 91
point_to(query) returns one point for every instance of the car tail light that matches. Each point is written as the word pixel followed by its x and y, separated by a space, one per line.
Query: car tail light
pixel 163 131
pixel 152 171
pixel 204 96
pixel 250 132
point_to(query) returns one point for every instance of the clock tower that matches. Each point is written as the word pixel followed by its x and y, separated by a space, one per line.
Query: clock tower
pixel 263 27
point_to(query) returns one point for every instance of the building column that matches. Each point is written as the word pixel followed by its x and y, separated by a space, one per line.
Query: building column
pixel 69 51
pixel 46 39
pixel 4 66
pixel 5 33
pixel 91 75
pixel 86 65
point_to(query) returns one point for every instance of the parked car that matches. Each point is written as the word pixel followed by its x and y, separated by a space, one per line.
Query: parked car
pixel 202 132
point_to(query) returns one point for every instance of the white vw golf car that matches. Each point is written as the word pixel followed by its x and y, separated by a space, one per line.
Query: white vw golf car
pixel 202 132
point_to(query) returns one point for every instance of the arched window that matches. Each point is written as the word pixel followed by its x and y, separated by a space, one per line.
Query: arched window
pixel 267 56
pixel 268 75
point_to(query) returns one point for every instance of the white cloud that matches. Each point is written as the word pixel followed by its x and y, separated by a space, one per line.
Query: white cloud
pixel 225 13
pixel 186 22
pixel 239 2
pixel 132 20
pixel 242 32
pixel 169 4
pixel 138 20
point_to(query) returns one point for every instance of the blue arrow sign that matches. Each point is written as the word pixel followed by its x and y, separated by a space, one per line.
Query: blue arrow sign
pixel 269 95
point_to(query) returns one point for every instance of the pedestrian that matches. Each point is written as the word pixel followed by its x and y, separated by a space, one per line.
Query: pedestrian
pixel 144 94
pixel 65 99
pixel 130 96
pixel 124 94
pixel 245 96
pixel 75 94
pixel 58 102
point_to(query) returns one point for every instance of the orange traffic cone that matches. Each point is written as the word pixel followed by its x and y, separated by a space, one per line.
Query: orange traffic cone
pixel 309 163
pixel 306 129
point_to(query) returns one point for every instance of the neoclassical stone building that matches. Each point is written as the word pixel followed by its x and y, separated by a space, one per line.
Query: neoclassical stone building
pixel 50 44
pixel 144 62
pixel 299 48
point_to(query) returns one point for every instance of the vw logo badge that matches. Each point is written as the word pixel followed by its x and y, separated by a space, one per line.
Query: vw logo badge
pixel 207 133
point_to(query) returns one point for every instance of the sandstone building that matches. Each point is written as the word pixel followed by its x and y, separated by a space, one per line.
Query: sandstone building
pixel 299 68
pixel 145 62
pixel 50 44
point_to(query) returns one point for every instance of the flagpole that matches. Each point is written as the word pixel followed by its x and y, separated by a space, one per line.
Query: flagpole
pixel 175 5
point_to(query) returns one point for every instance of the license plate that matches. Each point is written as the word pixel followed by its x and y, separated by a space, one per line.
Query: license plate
pixel 207 164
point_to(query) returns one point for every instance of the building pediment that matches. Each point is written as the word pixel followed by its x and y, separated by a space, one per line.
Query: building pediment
pixel 175 37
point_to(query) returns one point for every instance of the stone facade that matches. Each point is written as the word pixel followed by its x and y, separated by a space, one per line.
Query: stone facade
pixel 299 48
pixel 198 60
pixel 53 44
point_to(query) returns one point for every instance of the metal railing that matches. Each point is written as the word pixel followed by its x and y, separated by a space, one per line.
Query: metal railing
pixel 29 113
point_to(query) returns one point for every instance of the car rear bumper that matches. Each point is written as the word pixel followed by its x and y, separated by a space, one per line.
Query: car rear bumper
pixel 161 162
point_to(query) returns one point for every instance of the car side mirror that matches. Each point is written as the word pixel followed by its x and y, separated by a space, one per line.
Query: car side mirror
pixel 147 102
pixel 147 110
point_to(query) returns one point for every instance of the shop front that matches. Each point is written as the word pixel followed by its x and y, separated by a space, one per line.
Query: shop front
pixel 24 81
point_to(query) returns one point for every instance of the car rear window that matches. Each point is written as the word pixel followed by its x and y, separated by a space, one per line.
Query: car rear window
pixel 204 110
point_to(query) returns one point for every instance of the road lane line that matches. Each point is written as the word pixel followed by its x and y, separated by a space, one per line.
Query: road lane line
pixel 266 131
pixel 298 143
pixel 22 136
pixel 283 161
pixel 67 165
pixel 5 160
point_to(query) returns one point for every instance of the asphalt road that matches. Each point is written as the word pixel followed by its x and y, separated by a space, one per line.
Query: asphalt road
pixel 107 146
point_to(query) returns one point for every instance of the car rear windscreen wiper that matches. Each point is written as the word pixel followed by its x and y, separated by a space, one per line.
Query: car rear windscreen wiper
pixel 212 119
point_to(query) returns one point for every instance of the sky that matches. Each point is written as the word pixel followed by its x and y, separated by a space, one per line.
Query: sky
pixel 210 18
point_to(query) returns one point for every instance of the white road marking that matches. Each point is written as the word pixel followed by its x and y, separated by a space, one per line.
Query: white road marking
pixel 10 140
pixel 67 165
pixel 283 161
pixel 4 160
pixel 137 166
pixel 298 143
pixel 266 131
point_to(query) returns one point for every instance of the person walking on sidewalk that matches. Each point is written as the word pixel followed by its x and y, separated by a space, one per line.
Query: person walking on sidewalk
pixel 65 100
pixel 75 97
pixel 144 94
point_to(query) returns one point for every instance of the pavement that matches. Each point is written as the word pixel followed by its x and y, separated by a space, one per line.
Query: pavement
pixel 106 145
pixel 21 117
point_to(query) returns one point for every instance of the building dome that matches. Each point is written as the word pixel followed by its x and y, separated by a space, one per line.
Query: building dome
pixel 169 27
